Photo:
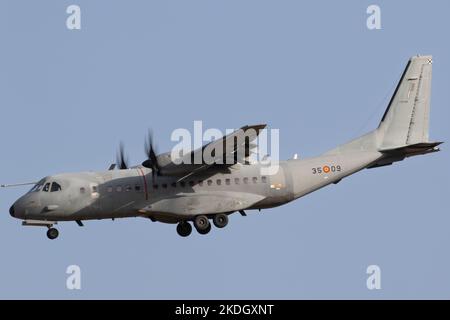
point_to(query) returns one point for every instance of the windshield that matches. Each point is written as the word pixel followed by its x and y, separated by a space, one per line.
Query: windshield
pixel 55 187
pixel 38 186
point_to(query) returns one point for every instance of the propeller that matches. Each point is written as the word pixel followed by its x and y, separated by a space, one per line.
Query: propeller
pixel 152 161
pixel 121 160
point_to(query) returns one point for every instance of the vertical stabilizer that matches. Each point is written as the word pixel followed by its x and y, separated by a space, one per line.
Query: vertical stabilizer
pixel 405 121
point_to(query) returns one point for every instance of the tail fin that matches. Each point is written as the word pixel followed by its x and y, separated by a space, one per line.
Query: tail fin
pixel 403 130
pixel 406 119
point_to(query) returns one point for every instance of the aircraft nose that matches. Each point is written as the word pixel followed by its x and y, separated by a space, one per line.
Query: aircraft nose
pixel 11 211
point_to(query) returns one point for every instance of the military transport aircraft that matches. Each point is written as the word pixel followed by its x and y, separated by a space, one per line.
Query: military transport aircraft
pixel 162 190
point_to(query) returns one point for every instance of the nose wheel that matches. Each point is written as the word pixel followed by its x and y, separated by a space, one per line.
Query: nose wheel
pixel 52 233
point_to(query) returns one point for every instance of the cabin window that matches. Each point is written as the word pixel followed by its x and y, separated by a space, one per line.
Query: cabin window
pixel 94 189
pixel 164 185
pixel 82 190
pixel 109 189
pixel 219 182
pixel 255 179
pixel 183 184
pixel 245 180
pixel 263 179
pixel 55 187
pixel 174 184
pixel 200 183
pixel 155 186
pixel 227 182
pixel 209 182
pixel 127 188
pixel 236 180
pixel 137 188
pixel 46 187
pixel 119 188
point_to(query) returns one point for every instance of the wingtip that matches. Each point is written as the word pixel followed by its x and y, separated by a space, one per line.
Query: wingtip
pixel 255 126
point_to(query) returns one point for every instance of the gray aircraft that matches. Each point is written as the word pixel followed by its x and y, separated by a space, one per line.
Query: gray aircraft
pixel 162 190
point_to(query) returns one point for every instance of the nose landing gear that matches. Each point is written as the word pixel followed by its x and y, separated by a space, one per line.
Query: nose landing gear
pixel 52 233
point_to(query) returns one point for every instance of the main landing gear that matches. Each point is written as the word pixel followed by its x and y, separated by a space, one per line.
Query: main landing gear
pixel 220 220
pixel 202 224
pixel 184 229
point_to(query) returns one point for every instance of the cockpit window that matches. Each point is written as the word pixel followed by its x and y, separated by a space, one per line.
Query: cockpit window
pixel 55 187
pixel 38 186
pixel 46 187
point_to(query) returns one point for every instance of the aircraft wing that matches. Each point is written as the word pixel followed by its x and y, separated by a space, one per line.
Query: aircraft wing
pixel 234 146
pixel 217 155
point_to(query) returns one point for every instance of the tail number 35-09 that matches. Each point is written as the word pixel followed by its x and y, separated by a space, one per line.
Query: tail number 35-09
pixel 326 169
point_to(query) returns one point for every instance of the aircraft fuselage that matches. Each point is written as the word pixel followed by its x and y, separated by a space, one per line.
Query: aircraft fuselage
pixel 136 192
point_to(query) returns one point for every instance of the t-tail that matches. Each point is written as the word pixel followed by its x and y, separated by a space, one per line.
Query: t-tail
pixel 404 127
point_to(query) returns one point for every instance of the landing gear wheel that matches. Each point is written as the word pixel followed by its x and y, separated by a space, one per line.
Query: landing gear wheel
pixel 220 220
pixel 207 230
pixel 52 233
pixel 184 229
pixel 202 224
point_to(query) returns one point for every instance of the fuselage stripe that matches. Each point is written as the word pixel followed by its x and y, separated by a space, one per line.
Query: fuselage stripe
pixel 145 183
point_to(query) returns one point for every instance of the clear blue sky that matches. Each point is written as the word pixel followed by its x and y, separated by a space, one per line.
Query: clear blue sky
pixel 310 68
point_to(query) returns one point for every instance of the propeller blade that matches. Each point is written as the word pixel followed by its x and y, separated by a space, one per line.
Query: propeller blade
pixel 121 160
pixel 152 161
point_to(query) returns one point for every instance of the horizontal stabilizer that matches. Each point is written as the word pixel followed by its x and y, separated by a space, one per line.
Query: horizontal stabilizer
pixel 414 149
pixel 398 154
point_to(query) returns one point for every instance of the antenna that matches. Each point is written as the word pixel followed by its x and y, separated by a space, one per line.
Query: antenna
pixel 16 184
